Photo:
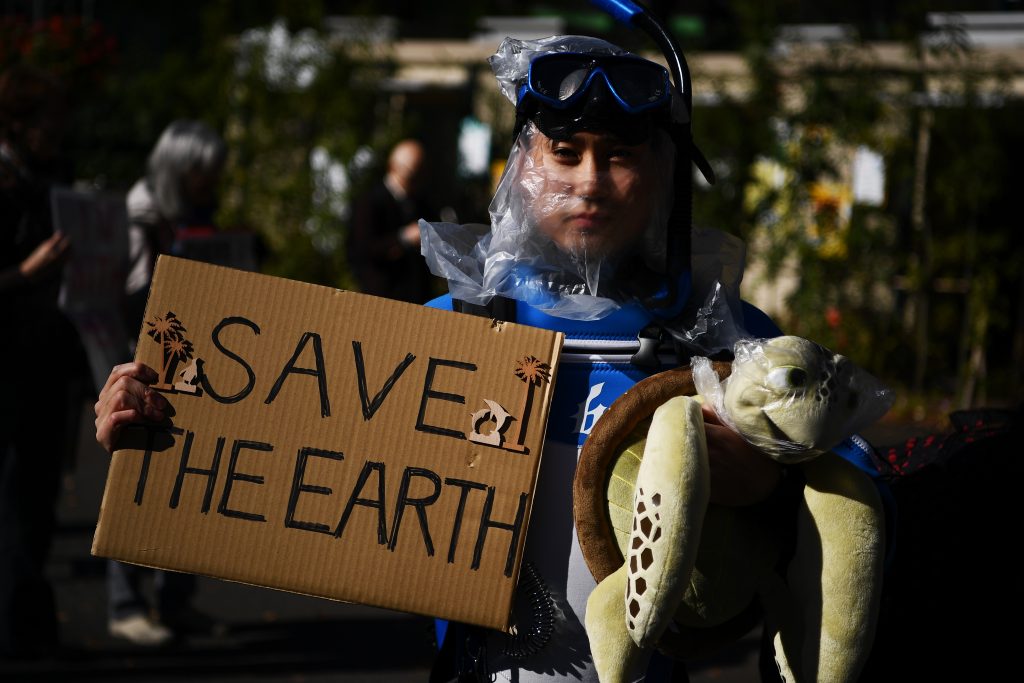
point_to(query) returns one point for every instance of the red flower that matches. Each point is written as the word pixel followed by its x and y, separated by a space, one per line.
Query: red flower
pixel 65 45
pixel 833 317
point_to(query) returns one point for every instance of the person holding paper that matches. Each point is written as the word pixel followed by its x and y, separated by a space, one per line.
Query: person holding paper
pixel 44 360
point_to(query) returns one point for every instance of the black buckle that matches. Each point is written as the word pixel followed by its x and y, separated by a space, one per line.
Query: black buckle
pixel 650 339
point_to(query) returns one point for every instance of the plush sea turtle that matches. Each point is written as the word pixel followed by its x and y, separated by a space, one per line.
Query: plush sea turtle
pixel 686 576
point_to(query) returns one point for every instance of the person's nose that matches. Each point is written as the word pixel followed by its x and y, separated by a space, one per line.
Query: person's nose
pixel 592 177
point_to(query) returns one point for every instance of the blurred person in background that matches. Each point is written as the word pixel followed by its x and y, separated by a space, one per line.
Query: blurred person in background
pixel 384 238
pixel 177 195
pixel 44 361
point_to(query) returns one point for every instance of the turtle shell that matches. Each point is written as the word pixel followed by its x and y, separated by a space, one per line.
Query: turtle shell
pixel 720 607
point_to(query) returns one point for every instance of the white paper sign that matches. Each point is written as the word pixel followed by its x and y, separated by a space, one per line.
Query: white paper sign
pixel 92 294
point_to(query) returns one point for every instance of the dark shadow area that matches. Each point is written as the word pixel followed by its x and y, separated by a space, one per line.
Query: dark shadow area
pixel 737 654
pixel 956 582
pixel 288 648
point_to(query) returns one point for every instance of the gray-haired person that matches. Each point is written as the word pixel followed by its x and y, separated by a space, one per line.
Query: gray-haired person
pixel 178 191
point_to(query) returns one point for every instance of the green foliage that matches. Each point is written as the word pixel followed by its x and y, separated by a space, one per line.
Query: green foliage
pixel 174 61
pixel 280 112
pixel 868 277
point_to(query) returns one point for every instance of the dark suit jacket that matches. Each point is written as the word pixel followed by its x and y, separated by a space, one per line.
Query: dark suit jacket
pixel 381 263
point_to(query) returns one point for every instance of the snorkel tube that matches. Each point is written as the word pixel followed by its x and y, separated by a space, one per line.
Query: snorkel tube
pixel 677 239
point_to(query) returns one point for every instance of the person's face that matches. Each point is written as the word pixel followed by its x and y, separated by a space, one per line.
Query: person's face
pixel 407 167
pixel 44 136
pixel 201 187
pixel 591 195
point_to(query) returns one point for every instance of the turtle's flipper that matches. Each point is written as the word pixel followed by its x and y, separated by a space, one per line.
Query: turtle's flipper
pixel 782 622
pixel 835 577
pixel 616 657
pixel 669 503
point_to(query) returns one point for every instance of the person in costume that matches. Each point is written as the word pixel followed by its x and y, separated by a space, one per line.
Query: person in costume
pixel 581 242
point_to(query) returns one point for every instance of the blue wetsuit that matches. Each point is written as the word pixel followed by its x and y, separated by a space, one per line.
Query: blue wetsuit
pixel 595 369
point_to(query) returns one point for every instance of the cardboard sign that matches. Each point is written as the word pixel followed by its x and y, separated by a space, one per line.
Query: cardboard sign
pixel 332 443
pixel 92 291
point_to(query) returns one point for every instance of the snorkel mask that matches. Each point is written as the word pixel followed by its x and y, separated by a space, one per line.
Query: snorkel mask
pixel 568 92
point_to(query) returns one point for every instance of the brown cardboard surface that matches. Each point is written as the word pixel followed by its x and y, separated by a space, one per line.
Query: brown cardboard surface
pixel 333 444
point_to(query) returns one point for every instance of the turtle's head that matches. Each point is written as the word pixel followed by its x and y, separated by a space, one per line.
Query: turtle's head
pixel 795 399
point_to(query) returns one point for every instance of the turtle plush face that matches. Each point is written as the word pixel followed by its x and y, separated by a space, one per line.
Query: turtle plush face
pixel 793 398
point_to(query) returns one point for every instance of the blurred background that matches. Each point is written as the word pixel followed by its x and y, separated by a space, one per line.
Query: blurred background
pixel 864 150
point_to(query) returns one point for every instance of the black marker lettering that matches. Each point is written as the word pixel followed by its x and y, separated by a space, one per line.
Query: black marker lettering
pixel 364 475
pixel 210 474
pixel 151 432
pixel 418 503
pixel 486 523
pixel 299 487
pixel 429 393
pixel 320 372
pixel 234 476
pixel 215 335
pixel 466 486
pixel 371 407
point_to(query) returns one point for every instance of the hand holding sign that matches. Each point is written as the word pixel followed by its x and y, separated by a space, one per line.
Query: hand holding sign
pixel 127 398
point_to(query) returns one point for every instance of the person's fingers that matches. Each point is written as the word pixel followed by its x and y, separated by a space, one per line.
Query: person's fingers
pixel 127 397
pixel 740 474
pixel 128 393
pixel 59 243
pixel 710 416
pixel 138 371
pixel 123 408
pixel 109 425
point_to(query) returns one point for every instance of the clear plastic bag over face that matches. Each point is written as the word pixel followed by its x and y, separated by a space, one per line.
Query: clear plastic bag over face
pixel 572 222
pixel 792 398
pixel 565 232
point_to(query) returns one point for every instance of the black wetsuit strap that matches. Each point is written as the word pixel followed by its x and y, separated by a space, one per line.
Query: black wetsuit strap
pixel 498 308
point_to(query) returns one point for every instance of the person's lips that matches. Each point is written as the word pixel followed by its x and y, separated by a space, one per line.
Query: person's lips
pixel 588 221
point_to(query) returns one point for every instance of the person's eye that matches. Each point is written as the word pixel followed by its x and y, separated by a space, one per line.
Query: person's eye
pixel 565 153
pixel 623 153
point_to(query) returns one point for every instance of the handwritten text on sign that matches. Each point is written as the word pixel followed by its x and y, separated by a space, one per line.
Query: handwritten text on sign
pixel 309 427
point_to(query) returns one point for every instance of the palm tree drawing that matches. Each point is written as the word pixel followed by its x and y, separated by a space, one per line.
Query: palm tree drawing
pixel 169 332
pixel 532 371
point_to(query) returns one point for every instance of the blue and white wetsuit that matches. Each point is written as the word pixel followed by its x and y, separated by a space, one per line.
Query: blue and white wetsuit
pixel 594 370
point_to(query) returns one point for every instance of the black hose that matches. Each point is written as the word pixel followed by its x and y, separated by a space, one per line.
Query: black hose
pixel 677 238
